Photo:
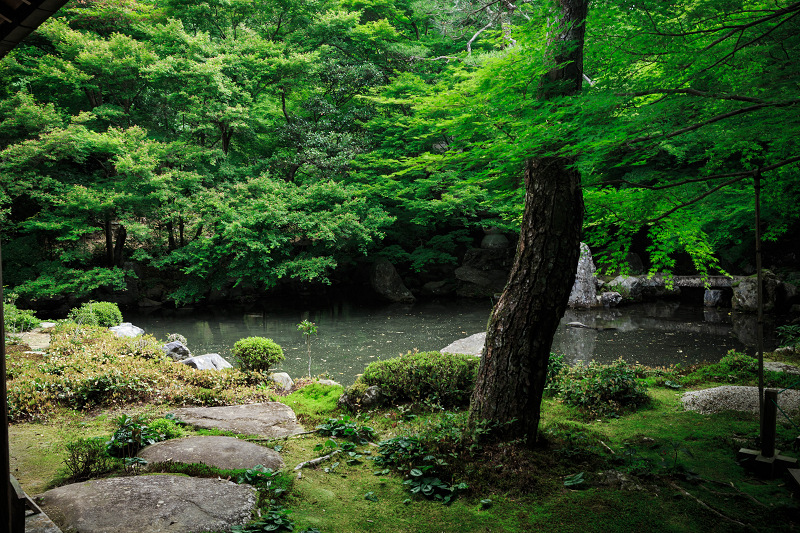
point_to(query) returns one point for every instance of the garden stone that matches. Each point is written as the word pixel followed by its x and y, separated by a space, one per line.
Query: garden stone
pixel 472 345
pixel 775 366
pixel 155 504
pixel 176 350
pixel 269 419
pixel 387 282
pixel 584 293
pixel 209 361
pixel 282 379
pixel 610 299
pixel 712 297
pixel 222 452
pixel 126 329
pixel 745 293
pixel 329 382
pixel 494 241
pixel 484 272
pixel 372 397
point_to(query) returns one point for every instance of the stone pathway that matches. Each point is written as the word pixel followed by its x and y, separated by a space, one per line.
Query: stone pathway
pixel 151 503
pixel 270 419
pixel 221 452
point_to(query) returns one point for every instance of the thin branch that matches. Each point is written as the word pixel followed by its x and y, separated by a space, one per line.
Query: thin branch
pixel 743 173
pixel 469 43
pixel 318 460
pixel 705 505
pixel 713 119
pixel 695 199
pixel 695 92
pixel 780 12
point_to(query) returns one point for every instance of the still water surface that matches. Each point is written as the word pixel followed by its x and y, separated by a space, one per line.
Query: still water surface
pixel 353 335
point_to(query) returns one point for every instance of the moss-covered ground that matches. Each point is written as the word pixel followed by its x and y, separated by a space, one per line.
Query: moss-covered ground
pixel 658 468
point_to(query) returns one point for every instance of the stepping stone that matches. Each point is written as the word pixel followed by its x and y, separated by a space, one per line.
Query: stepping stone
pixel 221 452
pixel 156 504
pixel 270 419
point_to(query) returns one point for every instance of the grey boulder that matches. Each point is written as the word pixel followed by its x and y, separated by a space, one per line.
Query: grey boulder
pixel 126 329
pixel 269 419
pixel 176 350
pixel 155 504
pixel 221 452
pixel 209 361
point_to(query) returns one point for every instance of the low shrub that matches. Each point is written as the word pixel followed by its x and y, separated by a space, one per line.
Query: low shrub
pixel 104 314
pixel 733 367
pixel 601 390
pixel 790 335
pixel 166 428
pixel 18 320
pixel 87 458
pixel 444 378
pixel 257 353
pixel 132 434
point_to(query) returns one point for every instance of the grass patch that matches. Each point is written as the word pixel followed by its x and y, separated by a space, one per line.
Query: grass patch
pixel 313 403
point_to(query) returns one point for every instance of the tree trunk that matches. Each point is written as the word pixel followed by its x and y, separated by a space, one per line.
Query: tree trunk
pixel 119 245
pixel 109 242
pixel 513 370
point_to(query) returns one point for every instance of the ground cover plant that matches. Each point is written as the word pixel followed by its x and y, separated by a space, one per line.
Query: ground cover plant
pixel 656 467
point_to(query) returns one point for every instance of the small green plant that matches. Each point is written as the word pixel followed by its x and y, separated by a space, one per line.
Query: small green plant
pixel 166 428
pixel 131 435
pixel 732 368
pixel 601 390
pixel 87 458
pixel 275 520
pixel 307 329
pixel 104 314
pixel 172 337
pixel 344 428
pixel 257 353
pixel 790 335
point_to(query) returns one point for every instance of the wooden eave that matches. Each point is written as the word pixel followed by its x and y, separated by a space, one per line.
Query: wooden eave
pixel 18 18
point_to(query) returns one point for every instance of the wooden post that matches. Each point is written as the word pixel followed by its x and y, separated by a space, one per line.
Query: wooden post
pixel 5 466
pixel 769 419
pixel 760 302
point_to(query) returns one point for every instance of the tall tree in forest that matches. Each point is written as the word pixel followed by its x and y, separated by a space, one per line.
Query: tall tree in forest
pixel 513 368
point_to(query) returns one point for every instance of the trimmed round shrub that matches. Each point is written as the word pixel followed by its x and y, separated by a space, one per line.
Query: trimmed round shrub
pixel 257 353
pixel 445 378
pixel 104 314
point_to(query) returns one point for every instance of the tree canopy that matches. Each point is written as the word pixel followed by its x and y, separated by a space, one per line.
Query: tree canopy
pixel 284 141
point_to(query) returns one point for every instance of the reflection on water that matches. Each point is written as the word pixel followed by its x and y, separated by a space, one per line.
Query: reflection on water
pixel 351 336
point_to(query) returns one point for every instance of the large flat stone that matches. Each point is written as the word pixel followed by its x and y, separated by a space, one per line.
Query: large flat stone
pixel 270 419
pixel 221 452
pixel 472 345
pixel 155 504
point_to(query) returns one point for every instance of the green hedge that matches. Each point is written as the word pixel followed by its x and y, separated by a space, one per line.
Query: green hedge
pixel 440 377
pixel 104 314
pixel 257 353
pixel 18 320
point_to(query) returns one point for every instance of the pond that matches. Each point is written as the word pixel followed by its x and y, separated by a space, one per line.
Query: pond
pixel 352 335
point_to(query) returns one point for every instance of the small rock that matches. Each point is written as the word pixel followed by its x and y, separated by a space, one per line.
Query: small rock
pixel 372 397
pixel 328 382
pixel 712 297
pixel 176 350
pixel 472 345
pixel 495 241
pixel 610 299
pixel 282 379
pixel 126 329
pixel 209 361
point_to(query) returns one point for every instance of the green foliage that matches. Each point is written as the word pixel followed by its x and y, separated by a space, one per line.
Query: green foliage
pixel 275 519
pixel 601 390
pixel 131 435
pixel 307 329
pixel 789 334
pixel 345 428
pixel 87 458
pixel 733 367
pixel 104 314
pixel 257 353
pixel 166 428
pixel 18 320
pixel 442 378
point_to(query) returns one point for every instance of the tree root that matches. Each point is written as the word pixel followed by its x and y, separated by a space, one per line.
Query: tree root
pixel 705 505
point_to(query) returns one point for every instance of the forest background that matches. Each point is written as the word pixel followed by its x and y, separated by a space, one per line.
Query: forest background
pixel 286 143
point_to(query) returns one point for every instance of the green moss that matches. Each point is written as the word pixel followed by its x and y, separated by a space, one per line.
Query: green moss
pixel 314 403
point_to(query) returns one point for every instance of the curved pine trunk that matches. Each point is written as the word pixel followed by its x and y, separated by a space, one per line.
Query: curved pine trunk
pixel 513 369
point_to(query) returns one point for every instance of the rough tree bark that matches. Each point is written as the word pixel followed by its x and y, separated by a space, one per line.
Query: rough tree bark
pixel 513 368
